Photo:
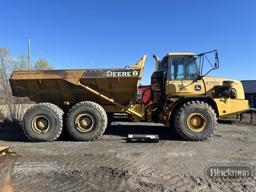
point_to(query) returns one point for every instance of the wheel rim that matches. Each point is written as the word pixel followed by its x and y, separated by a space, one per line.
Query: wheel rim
pixel 40 124
pixel 84 122
pixel 196 122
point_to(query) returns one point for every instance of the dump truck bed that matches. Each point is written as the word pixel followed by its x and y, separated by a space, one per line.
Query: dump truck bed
pixel 62 86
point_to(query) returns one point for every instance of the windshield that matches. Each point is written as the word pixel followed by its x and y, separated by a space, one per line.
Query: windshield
pixel 182 68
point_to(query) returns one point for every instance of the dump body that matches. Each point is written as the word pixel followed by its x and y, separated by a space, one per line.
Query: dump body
pixel 61 87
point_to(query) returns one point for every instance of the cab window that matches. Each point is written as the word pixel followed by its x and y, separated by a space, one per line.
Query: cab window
pixel 182 68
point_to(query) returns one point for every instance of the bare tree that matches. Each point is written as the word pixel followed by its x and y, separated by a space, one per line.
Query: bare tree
pixel 5 71
pixel 42 64
pixel 11 110
pixel 7 65
pixel 15 109
pixel 20 63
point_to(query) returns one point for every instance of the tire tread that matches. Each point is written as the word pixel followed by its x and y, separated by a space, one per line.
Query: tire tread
pixel 55 109
pixel 182 108
pixel 99 108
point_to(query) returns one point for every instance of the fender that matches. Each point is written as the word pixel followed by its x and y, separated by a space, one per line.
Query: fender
pixel 178 101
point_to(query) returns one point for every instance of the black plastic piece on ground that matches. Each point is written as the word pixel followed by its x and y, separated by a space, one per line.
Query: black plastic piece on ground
pixel 142 138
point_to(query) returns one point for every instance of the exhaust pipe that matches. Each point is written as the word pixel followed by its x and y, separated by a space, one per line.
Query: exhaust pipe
pixel 157 61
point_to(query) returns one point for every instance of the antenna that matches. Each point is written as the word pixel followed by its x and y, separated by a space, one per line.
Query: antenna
pixel 29 53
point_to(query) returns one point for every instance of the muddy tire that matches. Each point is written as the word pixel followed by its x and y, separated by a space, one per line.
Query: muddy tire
pixel 86 121
pixel 195 121
pixel 43 122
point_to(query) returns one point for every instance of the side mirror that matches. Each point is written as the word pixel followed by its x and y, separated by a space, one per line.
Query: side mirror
pixel 201 58
pixel 216 64
pixel 156 58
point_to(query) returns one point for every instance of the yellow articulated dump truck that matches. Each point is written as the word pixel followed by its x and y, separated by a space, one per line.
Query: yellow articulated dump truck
pixel 181 95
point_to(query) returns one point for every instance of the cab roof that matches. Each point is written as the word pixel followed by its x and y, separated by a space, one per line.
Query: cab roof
pixel 180 54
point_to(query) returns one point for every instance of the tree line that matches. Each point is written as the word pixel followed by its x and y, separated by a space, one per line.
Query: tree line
pixel 9 63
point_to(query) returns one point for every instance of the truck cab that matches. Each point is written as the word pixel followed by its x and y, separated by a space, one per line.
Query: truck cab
pixel 184 97
pixel 182 74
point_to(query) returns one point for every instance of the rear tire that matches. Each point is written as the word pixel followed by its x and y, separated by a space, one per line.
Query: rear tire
pixel 43 122
pixel 86 121
pixel 195 121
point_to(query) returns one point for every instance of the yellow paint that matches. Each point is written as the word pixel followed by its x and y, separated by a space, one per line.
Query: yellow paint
pixel 228 107
pixel 187 87
pixel 110 100
pixel 211 82
pixel 139 109
pixel 140 65
pixel 225 107
pixel 196 122
pixel 184 88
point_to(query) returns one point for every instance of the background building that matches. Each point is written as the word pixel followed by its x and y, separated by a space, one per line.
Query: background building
pixel 250 91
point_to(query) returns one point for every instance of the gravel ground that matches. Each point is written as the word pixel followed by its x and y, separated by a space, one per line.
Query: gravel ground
pixel 112 164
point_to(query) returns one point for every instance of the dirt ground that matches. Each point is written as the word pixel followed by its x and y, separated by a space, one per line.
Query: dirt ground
pixel 112 164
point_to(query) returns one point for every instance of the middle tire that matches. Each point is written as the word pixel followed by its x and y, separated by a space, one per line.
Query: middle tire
pixel 86 121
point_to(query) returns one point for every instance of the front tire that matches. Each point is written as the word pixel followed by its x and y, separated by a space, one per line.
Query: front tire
pixel 86 121
pixel 43 122
pixel 195 121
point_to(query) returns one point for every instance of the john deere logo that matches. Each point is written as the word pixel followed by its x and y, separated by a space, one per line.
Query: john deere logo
pixel 197 87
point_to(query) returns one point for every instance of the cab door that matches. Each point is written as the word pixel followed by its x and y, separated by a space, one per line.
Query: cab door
pixel 181 80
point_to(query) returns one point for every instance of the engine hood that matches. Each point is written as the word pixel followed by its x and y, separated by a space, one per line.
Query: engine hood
pixel 211 82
